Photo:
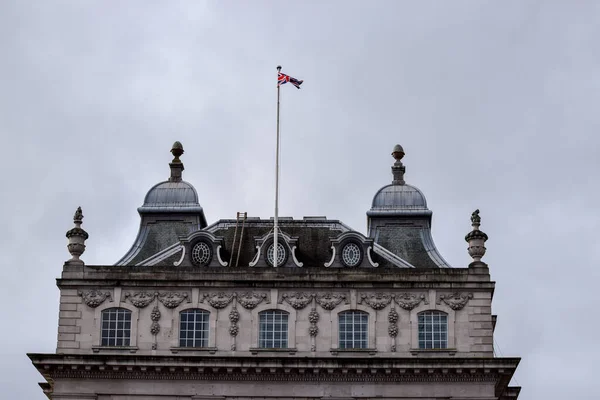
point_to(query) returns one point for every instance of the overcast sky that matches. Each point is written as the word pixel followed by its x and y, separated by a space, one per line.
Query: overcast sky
pixel 495 104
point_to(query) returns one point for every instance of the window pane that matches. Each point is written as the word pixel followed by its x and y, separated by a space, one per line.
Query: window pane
pixel 353 330
pixel 273 329
pixel 433 330
pixel 193 328
pixel 116 327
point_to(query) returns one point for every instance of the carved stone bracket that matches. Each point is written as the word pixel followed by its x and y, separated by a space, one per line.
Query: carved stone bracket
pixel 329 301
pixel 94 298
pixel 455 301
pixel 408 301
pixel 377 301
pixel 172 299
pixel 297 300
pixel 218 300
pixel 141 299
pixel 249 300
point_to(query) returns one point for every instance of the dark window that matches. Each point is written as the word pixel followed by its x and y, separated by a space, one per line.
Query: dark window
pixel 273 330
pixel 353 330
pixel 193 328
pixel 116 327
pixel 433 330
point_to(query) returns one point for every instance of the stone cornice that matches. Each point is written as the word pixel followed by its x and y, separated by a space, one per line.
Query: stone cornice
pixel 275 277
pixel 182 367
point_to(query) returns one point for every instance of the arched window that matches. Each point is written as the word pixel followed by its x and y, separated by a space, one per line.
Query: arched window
pixel 273 329
pixel 433 330
pixel 116 327
pixel 193 328
pixel 353 329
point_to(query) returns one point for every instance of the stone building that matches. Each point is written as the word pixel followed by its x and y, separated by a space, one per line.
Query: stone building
pixel 197 311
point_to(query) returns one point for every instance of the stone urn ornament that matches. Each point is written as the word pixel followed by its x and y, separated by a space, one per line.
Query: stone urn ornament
pixel 476 238
pixel 77 237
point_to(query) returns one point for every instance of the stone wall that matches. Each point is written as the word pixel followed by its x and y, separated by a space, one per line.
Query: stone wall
pixel 469 319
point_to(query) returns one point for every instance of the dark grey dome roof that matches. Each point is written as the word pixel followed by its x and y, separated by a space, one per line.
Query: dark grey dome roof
pixel 171 196
pixel 399 197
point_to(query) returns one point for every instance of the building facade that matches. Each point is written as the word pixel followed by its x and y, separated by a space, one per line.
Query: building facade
pixel 198 311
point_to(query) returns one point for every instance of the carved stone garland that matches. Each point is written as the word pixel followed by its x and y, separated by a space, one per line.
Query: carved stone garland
pixel 172 299
pixel 408 301
pixel 455 301
pixel 249 300
pixel 329 301
pixel 377 301
pixel 219 300
pixel 298 300
pixel 393 327
pixel 94 298
pixel 234 317
pixel 141 299
pixel 313 330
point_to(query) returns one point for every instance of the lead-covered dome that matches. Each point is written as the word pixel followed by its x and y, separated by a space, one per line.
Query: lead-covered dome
pixel 171 196
pixel 395 197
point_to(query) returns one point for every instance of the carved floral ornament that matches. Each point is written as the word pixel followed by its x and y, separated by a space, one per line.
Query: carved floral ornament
pixel 93 298
pixel 297 300
pixel 172 299
pixel 219 300
pixel 140 299
pixel 408 301
pixel 329 301
pixel 249 300
pixel 377 301
pixel 455 301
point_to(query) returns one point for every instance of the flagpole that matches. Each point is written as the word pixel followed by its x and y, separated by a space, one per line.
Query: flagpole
pixel 275 242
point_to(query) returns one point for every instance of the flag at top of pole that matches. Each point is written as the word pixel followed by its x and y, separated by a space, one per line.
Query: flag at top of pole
pixel 283 79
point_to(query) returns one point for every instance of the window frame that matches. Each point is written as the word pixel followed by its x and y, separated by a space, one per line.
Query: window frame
pixel 207 325
pixel 430 328
pixel 127 341
pixel 273 322
pixel 364 343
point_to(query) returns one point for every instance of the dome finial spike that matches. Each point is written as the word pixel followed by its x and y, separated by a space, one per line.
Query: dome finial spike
pixel 398 168
pixel 176 165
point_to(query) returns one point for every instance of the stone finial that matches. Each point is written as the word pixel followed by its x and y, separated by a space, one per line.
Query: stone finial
pixel 176 165
pixel 476 238
pixel 398 168
pixel 77 237
pixel 177 151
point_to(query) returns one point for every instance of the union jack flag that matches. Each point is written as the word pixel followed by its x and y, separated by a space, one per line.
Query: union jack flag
pixel 283 79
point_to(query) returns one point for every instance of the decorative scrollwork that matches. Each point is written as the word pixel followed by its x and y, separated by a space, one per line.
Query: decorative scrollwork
pixel 329 301
pixel 377 301
pixel 455 301
pixel 172 299
pixel 297 300
pixel 219 300
pixel 94 298
pixel 141 299
pixel 249 300
pixel 408 301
